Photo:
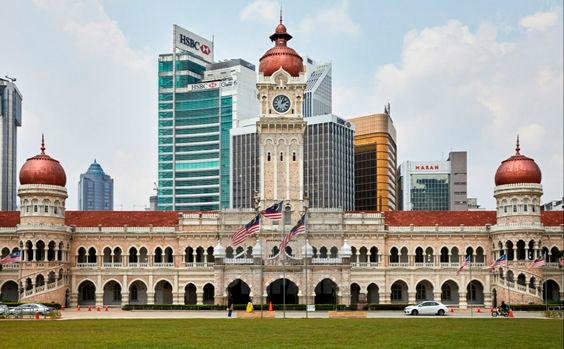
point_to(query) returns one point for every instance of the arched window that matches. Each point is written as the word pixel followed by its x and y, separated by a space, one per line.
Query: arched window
pixel 294 156
pixel 394 256
pixel 514 205
pixel 418 255
pixel 526 205
pixel 504 205
pixel 268 156
pixel 281 156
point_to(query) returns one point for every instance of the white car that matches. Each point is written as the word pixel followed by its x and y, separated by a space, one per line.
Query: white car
pixel 426 308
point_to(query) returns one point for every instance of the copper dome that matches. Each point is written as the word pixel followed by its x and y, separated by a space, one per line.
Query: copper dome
pixel 43 169
pixel 518 169
pixel 281 56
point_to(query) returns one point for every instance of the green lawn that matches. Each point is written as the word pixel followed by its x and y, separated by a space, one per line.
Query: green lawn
pixel 279 333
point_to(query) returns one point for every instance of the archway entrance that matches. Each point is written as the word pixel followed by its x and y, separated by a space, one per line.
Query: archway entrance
pixel 355 293
pixel 190 294
pixel 137 293
pixel 373 294
pixel 424 291
pixel 163 292
pixel 551 291
pixel 449 293
pixel 326 292
pixel 239 292
pixel 277 289
pixel 112 293
pixel 475 293
pixel 399 292
pixel 9 292
pixel 86 293
pixel 209 294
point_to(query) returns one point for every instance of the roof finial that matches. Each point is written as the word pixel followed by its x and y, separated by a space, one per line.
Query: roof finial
pixel 517 148
pixel 42 143
pixel 280 14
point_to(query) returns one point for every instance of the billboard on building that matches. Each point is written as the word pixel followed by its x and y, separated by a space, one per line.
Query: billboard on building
pixel 187 41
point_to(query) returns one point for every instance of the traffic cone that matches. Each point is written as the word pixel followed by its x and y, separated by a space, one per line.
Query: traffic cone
pixel 78 308
pixel 510 312
pixel 62 308
pixel 478 311
pixel 452 310
pixel 89 308
pixel 106 308
pixel 270 306
pixel 98 308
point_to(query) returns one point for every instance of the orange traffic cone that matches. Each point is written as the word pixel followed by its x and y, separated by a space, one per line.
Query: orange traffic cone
pixel 106 308
pixel 97 308
pixel 452 310
pixel 510 312
pixel 89 308
pixel 270 306
pixel 78 308
pixel 478 311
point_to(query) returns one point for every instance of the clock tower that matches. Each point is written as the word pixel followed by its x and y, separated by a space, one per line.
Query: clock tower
pixel 281 85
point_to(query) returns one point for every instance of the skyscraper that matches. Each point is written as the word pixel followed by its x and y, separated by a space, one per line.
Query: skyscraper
pixel 434 185
pixel 10 120
pixel 195 117
pixel 318 92
pixel 95 190
pixel 375 162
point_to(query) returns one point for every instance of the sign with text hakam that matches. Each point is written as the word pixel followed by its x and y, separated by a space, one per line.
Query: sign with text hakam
pixel 187 41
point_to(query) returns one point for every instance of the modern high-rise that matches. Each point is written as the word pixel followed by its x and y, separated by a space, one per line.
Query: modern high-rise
pixel 318 92
pixel 375 162
pixel 328 163
pixel 10 120
pixel 95 190
pixel 196 113
pixel 434 185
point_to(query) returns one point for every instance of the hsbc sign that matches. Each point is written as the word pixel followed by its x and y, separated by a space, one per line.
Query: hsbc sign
pixel 188 41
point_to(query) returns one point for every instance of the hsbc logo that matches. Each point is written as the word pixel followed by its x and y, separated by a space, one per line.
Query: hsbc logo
pixel 196 45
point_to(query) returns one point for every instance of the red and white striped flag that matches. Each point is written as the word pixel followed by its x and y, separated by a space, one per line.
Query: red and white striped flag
pixel 297 229
pixel 464 264
pixel 247 230
pixel 537 263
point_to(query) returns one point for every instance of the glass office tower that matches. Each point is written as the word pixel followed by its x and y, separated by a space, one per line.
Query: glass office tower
pixel 198 103
pixel 10 120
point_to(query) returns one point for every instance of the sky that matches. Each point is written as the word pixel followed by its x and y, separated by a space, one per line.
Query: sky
pixel 460 75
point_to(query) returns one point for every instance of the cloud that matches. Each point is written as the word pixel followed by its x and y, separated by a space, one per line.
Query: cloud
pixel 332 20
pixel 265 11
pixel 458 89
pixel 540 21
pixel 95 33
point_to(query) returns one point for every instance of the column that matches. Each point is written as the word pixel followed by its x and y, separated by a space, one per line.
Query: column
pixel 34 254
pixel 205 258
pixel 200 297
pixel 368 254
pixel 436 296
pixel 193 259
pixel 385 297
pixel 462 303
pixel 411 297
pixel 57 253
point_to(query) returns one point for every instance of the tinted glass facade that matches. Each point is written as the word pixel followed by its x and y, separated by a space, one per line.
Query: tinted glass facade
pixel 318 92
pixel 430 192
pixel 95 190
pixel 245 169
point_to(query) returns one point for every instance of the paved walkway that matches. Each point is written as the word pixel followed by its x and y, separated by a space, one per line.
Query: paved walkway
pixel 73 314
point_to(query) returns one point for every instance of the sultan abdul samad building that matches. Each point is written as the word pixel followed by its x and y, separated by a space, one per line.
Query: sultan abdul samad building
pixel 174 257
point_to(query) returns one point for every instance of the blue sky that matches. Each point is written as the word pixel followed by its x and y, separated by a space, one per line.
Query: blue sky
pixel 460 75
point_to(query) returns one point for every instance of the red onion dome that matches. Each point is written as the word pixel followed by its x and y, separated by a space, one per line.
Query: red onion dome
pixel 43 169
pixel 518 169
pixel 281 56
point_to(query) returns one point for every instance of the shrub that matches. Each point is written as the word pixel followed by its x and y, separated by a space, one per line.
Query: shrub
pixel 395 306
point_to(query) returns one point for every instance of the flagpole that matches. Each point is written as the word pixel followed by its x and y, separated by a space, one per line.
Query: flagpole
pixel 471 309
pixel 257 208
pixel 283 252
pixel 305 258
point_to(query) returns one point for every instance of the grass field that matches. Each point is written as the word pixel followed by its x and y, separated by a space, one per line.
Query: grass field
pixel 289 333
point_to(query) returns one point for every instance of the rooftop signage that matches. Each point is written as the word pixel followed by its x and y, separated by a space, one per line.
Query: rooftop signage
pixel 187 41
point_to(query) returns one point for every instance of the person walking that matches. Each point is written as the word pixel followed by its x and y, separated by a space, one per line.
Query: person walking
pixel 229 306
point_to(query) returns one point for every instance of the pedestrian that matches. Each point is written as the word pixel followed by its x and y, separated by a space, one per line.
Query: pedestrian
pixel 229 306
pixel 250 307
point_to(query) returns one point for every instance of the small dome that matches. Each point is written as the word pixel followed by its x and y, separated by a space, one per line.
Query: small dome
pixel 281 56
pixel 307 250
pixel 43 169
pixel 95 169
pixel 219 251
pixel 518 169
pixel 346 250
pixel 257 250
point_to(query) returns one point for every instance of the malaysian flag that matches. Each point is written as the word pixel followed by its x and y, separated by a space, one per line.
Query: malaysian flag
pixel 500 261
pixel 537 263
pixel 466 262
pixel 247 230
pixel 12 258
pixel 274 211
pixel 298 228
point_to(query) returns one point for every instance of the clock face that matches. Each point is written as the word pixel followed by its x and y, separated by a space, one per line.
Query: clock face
pixel 281 103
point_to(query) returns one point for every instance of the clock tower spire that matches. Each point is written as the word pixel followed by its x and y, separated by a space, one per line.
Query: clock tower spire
pixel 281 85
